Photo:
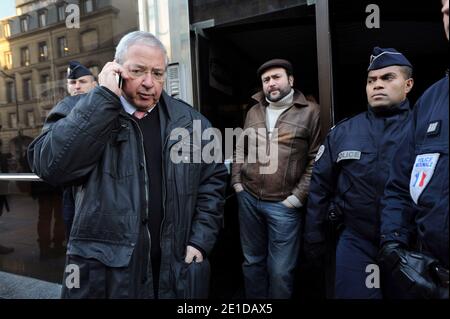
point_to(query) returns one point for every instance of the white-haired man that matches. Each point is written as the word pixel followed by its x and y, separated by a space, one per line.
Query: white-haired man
pixel 143 224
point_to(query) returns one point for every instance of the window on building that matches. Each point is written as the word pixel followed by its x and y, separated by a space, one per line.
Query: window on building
pixel 24 24
pixel 63 75
pixel 45 79
pixel 8 60
pixel 30 119
pixel 61 12
pixel 45 82
pixel 89 40
pixel 43 51
pixel 25 56
pixel 27 92
pixel 10 92
pixel 42 15
pixel 12 120
pixel 6 30
pixel 60 92
pixel 88 6
pixel 44 114
pixel 63 49
pixel 44 88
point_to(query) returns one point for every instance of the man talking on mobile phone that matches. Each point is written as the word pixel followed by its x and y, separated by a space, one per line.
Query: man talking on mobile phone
pixel 144 224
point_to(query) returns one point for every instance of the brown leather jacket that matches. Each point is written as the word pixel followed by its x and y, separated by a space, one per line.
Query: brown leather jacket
pixel 298 140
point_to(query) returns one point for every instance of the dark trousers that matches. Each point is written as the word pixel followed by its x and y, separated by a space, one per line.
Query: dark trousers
pixel 354 259
pixel 99 281
pixel 50 208
pixel 3 203
pixel 68 210
pixel 270 238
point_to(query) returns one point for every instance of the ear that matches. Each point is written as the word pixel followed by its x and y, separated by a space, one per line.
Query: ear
pixel 409 85
pixel 291 80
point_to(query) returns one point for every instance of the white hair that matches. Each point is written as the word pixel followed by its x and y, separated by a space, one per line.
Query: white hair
pixel 138 37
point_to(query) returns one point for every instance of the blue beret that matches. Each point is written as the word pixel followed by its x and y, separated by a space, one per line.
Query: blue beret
pixel 77 70
pixel 382 58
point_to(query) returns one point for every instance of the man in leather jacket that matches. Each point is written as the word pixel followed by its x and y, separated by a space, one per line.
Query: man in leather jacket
pixel 144 221
pixel 270 203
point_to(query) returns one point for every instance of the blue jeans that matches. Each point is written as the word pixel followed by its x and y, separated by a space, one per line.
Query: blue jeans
pixel 270 238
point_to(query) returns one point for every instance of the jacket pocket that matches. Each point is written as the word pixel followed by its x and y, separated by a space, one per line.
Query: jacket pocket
pixel 91 279
pixel 296 139
pixel 117 160
pixel 192 280
pixel 185 162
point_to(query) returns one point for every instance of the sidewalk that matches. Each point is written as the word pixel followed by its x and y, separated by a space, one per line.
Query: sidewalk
pixel 19 287
pixel 18 229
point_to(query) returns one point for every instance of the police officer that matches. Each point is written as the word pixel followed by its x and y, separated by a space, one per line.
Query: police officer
pixel 351 170
pixel 80 79
pixel 416 199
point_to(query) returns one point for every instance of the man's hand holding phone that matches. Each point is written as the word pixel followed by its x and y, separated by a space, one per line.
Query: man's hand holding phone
pixel 112 77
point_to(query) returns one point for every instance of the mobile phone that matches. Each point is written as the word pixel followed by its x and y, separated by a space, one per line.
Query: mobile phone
pixel 119 80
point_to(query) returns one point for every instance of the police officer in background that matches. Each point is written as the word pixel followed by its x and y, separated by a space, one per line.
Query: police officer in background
pixel 351 170
pixel 416 198
pixel 80 79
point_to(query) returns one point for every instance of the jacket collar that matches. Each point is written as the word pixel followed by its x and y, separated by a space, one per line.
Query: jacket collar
pixel 171 115
pixel 299 98
pixel 391 111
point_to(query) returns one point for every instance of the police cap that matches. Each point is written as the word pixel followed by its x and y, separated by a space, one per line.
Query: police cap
pixel 384 57
pixel 77 70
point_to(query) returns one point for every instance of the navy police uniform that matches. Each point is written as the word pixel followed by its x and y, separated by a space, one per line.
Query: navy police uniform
pixel 351 169
pixel 416 198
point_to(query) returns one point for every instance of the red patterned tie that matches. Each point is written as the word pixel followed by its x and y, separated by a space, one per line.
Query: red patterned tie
pixel 139 114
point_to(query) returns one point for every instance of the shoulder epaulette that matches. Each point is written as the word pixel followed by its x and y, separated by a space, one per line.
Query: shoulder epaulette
pixel 339 123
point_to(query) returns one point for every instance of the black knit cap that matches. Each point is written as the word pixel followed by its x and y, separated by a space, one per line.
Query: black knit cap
pixel 276 63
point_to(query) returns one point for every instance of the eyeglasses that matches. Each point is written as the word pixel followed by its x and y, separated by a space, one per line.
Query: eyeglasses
pixel 157 75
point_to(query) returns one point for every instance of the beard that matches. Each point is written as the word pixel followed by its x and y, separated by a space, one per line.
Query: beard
pixel 282 93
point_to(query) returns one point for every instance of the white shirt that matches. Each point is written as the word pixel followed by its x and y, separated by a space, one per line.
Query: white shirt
pixel 130 108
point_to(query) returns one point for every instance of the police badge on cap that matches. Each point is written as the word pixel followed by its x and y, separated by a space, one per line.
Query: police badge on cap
pixel 382 58
pixel 77 70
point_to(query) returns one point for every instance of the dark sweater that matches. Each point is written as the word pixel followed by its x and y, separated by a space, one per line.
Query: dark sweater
pixel 150 127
